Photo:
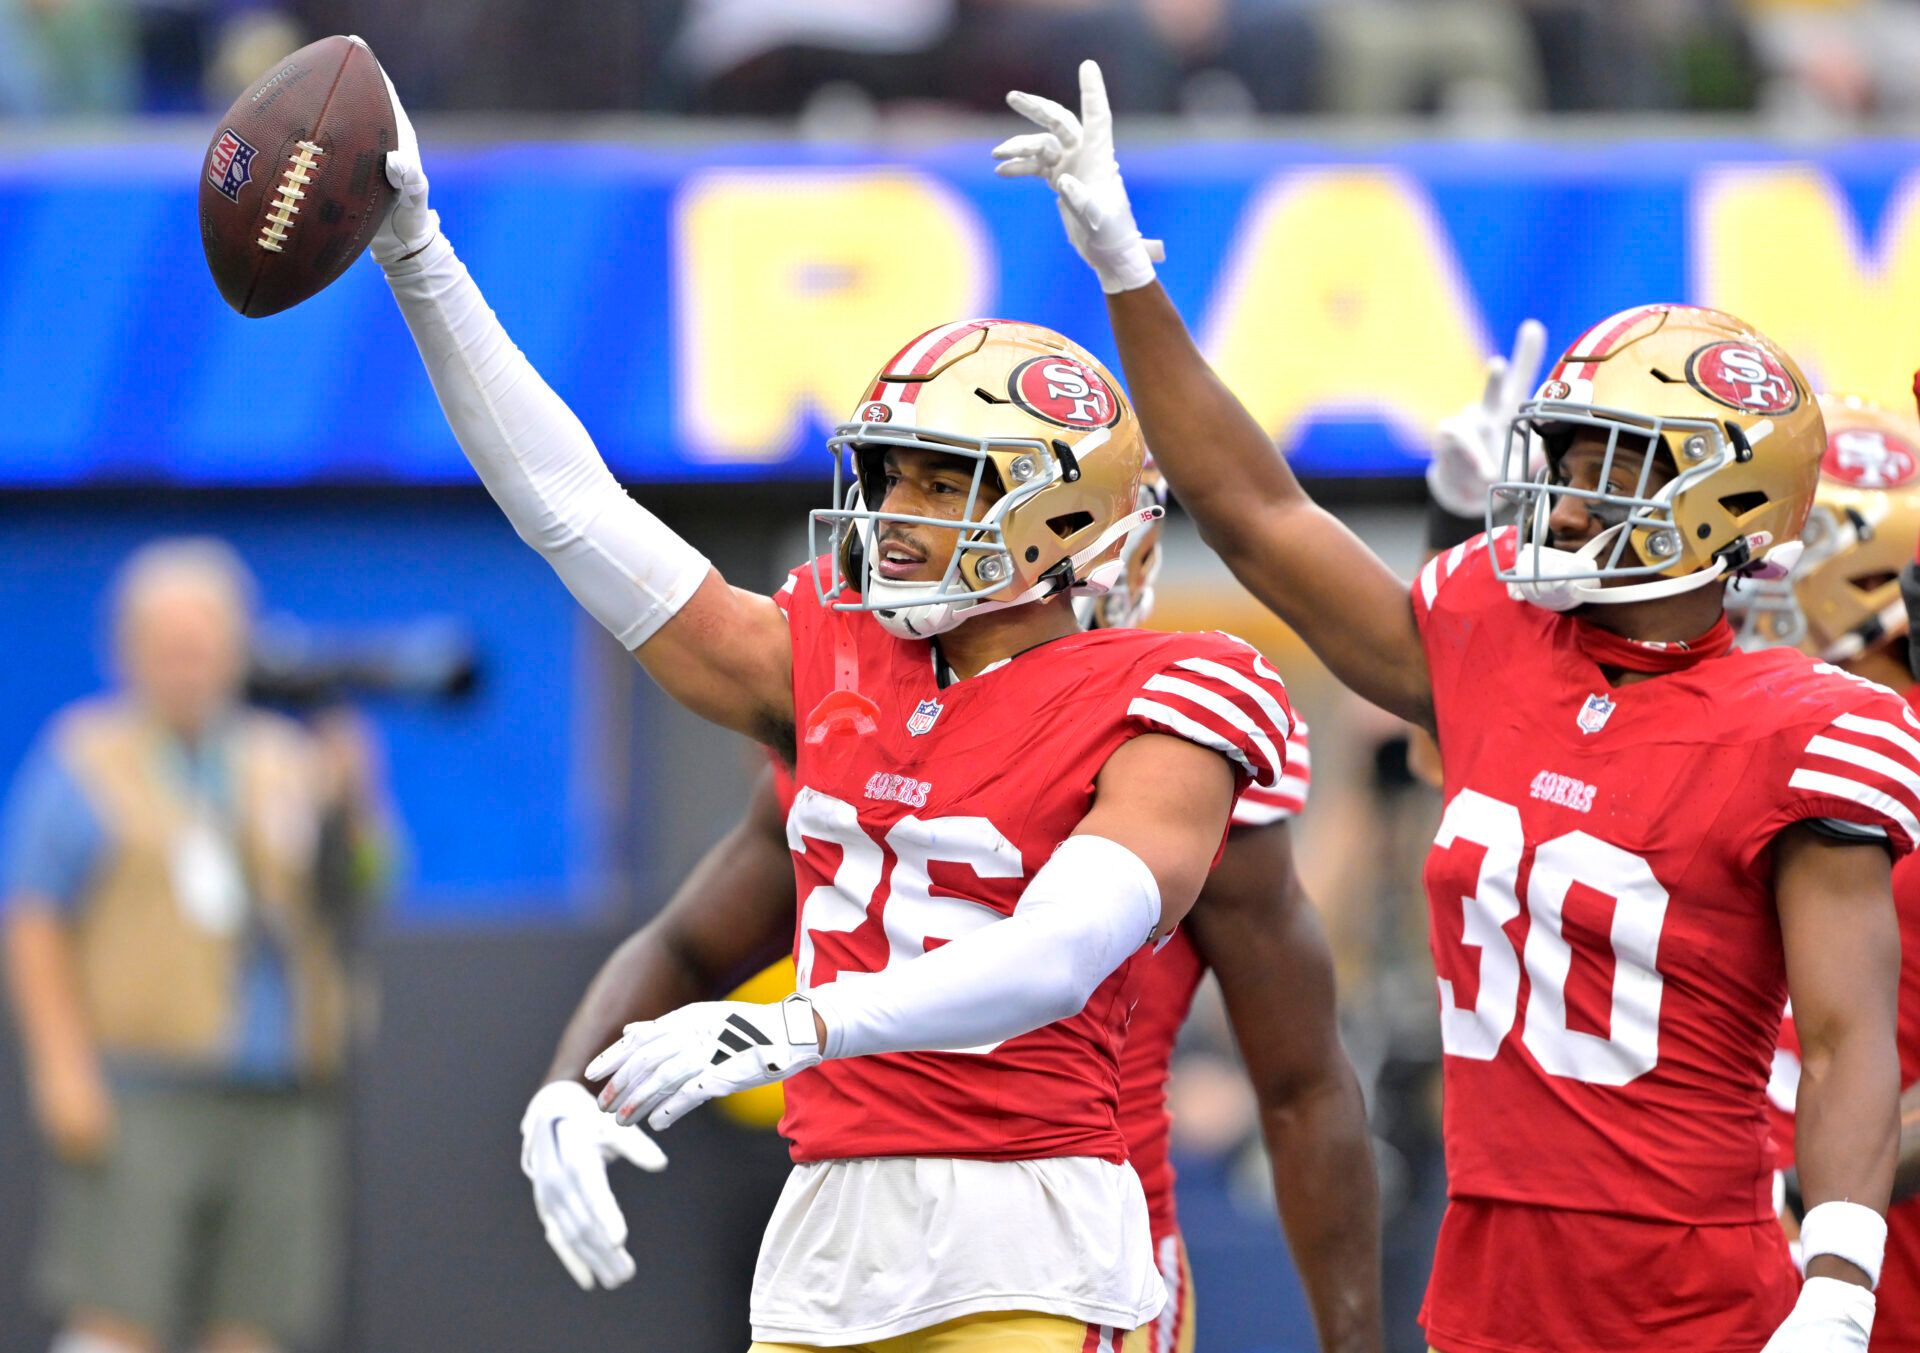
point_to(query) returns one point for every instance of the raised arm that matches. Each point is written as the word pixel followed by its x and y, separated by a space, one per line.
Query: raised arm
pixel 1299 559
pixel 1843 945
pixel 1131 869
pixel 722 652
pixel 1292 554
pixel 732 917
pixel 1257 930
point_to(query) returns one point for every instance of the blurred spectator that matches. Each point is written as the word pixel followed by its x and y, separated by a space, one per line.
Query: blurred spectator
pixel 182 44
pixel 66 57
pixel 1841 58
pixel 1411 56
pixel 768 57
pixel 1845 59
pixel 1242 55
pixel 1642 55
pixel 177 867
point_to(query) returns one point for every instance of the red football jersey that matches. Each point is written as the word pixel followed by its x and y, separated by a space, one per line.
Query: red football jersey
pixel 1896 1323
pixel 921 813
pixel 1608 952
pixel 1167 983
pixel 1783 1085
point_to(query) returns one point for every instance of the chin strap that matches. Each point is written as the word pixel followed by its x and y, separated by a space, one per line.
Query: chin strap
pixel 932 618
pixel 1552 589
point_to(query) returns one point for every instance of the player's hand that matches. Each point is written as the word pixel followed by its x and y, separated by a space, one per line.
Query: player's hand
pixel 76 1113
pixel 1075 156
pixel 1831 1317
pixel 1470 445
pixel 412 224
pixel 565 1144
pixel 661 1069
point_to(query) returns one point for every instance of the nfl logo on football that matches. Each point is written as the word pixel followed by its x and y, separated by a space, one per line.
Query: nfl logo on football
pixel 231 166
pixel 1595 713
pixel 921 720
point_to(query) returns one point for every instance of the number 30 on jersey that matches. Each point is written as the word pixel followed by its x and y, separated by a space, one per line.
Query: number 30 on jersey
pixel 1631 1045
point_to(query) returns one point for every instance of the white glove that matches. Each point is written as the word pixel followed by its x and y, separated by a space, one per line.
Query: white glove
pixel 1470 445
pixel 1075 156
pixel 661 1069
pixel 565 1144
pixel 1831 1317
pixel 412 224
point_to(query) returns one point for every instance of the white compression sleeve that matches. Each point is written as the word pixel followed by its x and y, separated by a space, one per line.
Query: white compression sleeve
pixel 629 570
pixel 1090 906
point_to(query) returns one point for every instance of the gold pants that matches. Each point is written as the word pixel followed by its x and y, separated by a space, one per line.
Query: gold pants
pixel 992 1332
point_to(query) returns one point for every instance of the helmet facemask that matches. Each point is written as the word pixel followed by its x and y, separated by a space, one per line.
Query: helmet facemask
pixel 981 573
pixel 1631 558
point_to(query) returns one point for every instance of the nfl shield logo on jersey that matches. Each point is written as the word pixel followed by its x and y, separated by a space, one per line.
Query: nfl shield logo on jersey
pixel 921 720
pixel 1595 713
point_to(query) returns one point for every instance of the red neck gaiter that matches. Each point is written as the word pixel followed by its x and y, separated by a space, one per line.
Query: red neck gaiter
pixel 1608 649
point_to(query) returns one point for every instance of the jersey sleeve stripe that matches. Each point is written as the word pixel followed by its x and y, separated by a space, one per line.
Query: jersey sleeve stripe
pixel 1223 708
pixel 1429 581
pixel 1192 730
pixel 1853 791
pixel 1276 714
pixel 1879 728
pixel 1868 760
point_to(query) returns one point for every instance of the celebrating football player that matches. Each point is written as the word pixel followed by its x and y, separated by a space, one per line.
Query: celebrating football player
pixel 1253 925
pixel 994 812
pixel 1649 836
pixel 1843 605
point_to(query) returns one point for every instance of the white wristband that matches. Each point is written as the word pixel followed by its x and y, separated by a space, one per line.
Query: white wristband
pixel 1849 1231
pixel 622 563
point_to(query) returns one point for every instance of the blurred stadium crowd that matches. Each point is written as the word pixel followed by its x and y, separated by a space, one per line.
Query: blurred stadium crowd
pixel 1221 59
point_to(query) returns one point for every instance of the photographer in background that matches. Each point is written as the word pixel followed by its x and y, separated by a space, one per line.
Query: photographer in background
pixel 178 869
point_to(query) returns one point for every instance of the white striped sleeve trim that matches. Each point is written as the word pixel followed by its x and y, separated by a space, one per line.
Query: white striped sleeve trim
pixel 1443 566
pixel 1880 728
pixel 1430 582
pixel 1218 704
pixel 1867 760
pixel 1192 730
pixel 1839 787
pixel 1272 708
pixel 1259 807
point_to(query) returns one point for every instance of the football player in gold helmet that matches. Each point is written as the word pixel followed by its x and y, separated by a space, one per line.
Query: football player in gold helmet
pixel 1659 832
pixel 1843 605
pixel 1842 601
pixel 994 813
pixel 1253 927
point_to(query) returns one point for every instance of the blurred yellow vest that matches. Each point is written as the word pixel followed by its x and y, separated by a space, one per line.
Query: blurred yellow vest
pixel 157 985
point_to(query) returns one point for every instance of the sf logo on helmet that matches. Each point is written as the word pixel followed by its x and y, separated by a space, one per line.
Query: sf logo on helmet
pixel 1063 391
pixel 1743 376
pixel 1867 458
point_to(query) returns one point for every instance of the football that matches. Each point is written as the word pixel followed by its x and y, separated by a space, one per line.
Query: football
pixel 294 185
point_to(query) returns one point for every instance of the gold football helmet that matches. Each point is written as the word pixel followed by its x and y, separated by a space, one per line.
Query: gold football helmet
pixel 1843 597
pixel 1129 601
pixel 1042 421
pixel 1719 408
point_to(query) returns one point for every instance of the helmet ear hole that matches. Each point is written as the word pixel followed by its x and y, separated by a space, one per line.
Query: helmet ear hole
pixel 1069 524
pixel 1737 505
